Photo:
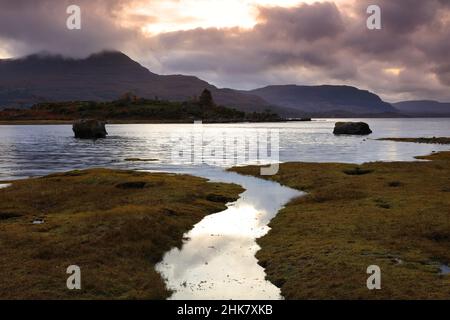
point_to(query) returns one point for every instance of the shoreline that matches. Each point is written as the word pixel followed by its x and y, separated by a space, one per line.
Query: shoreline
pixel 433 140
pixel 70 122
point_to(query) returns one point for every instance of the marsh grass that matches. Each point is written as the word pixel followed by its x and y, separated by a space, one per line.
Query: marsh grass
pixel 397 216
pixel 115 225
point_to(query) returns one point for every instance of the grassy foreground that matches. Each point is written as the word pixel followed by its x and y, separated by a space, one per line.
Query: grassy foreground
pixel 394 215
pixel 115 225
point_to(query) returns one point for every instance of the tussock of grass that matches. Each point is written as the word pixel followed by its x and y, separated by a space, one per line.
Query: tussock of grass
pixel 116 234
pixel 397 217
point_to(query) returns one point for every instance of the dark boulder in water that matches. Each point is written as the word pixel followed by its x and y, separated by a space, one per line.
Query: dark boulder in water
pixel 89 129
pixel 352 128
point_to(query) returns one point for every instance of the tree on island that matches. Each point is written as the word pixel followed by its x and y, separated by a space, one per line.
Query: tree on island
pixel 128 97
pixel 206 99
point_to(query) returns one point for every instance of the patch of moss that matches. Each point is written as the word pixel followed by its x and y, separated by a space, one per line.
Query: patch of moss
pixel 115 234
pixel 321 244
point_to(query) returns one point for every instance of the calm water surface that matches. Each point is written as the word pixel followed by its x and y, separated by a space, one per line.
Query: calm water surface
pixel 41 149
pixel 218 258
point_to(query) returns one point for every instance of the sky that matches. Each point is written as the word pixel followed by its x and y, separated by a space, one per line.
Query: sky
pixel 245 44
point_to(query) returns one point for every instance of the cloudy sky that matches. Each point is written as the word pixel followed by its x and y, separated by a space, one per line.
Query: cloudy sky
pixel 245 44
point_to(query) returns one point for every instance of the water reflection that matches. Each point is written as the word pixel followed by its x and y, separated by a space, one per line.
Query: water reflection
pixel 218 259
pixel 38 150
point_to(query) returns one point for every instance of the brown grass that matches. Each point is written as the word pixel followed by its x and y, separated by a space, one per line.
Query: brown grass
pixel 115 225
pixel 396 215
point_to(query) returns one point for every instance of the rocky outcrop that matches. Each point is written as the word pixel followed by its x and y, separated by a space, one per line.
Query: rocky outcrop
pixel 352 128
pixel 89 129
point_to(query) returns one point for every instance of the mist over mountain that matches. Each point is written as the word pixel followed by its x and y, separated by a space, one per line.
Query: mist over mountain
pixel 100 77
pixel 107 75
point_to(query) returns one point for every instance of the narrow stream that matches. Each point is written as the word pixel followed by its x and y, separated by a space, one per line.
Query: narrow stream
pixel 217 259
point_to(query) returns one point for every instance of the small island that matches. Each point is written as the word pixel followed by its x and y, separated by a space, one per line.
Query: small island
pixel 132 109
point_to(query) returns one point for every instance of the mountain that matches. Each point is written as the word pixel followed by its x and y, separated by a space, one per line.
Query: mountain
pixel 423 108
pixel 108 75
pixel 326 100
pixel 102 77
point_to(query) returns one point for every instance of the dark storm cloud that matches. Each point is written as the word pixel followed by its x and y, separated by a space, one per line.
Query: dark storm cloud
pixel 283 37
pixel 443 72
pixel 321 43
pixel 30 26
pixel 416 36
pixel 301 23
pixel 404 16
pixel 402 20
pixel 308 44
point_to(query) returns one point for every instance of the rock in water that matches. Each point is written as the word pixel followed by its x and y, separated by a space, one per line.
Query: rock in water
pixel 89 129
pixel 353 128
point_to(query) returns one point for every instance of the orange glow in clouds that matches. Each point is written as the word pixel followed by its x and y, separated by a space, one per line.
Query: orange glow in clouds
pixel 173 15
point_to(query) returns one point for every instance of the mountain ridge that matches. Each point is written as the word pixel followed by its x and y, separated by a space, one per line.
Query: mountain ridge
pixel 106 75
pixel 101 77
pixel 324 98
pixel 423 107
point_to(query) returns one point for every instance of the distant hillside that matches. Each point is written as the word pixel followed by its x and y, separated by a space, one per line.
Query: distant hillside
pixel 102 77
pixel 324 100
pixel 423 108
